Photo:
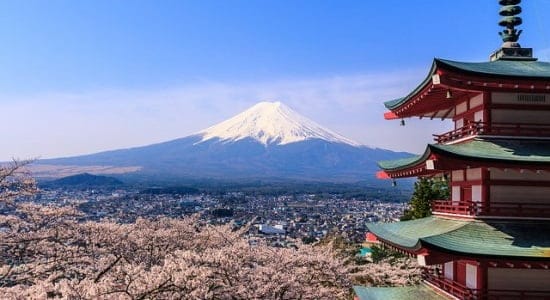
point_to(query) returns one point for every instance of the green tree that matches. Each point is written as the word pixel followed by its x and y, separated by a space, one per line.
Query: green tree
pixel 425 191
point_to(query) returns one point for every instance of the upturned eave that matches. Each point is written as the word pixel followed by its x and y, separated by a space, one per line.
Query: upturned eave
pixel 450 82
pixel 479 152
pixel 504 239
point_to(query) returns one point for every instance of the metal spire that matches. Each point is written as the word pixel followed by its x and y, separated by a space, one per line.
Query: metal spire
pixel 509 11
pixel 510 49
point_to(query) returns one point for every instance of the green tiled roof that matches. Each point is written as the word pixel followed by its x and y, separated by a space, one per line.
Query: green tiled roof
pixel 500 238
pixel 391 293
pixel 394 103
pixel 527 151
pixel 407 234
pixel 511 151
pixel 498 68
pixel 397 164
pixel 485 238
pixel 502 68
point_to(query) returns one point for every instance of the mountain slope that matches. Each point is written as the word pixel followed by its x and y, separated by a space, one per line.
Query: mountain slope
pixel 268 140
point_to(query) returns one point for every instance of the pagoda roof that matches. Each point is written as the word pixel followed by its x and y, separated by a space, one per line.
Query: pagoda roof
pixel 428 98
pixel 502 68
pixel 510 150
pixel 513 239
pixel 421 291
pixel 497 151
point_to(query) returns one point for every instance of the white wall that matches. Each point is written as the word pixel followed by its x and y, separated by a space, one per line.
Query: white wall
pixel 462 107
pixel 449 270
pixel 478 116
pixel 471 276
pixel 476 193
pixel 457 175
pixel 476 101
pixel 455 193
pixel 473 174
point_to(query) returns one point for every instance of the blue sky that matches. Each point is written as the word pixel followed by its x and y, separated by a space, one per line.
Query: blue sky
pixel 84 76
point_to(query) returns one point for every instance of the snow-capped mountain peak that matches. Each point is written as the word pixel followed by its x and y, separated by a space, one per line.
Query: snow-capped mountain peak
pixel 271 123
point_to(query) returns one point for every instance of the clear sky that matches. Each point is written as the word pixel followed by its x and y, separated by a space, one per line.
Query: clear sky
pixel 90 75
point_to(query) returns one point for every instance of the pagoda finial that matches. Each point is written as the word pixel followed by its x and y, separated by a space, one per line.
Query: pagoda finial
pixel 510 49
pixel 509 11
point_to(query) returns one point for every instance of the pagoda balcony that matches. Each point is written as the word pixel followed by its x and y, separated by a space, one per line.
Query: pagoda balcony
pixel 462 292
pixel 452 287
pixel 492 209
pixel 493 129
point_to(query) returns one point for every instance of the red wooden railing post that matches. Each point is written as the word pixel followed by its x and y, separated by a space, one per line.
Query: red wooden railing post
pixel 472 128
pixel 463 292
pixel 473 208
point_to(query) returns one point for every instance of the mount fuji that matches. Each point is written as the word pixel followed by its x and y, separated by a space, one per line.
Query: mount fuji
pixel 268 140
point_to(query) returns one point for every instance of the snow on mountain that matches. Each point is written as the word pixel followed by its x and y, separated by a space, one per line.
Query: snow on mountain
pixel 271 123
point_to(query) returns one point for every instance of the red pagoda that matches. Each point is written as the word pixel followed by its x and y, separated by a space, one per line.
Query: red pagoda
pixel 491 239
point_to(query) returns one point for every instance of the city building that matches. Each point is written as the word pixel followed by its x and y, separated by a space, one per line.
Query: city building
pixel 491 239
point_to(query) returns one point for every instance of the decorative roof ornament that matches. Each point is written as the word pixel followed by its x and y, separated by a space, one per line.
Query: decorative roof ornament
pixel 510 49
pixel 509 11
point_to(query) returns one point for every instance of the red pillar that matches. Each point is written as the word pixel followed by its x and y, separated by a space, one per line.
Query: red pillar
pixel 485 189
pixel 487 107
pixel 482 276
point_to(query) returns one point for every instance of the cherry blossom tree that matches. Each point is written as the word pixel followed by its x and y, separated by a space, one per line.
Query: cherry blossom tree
pixel 47 251
pixel 384 268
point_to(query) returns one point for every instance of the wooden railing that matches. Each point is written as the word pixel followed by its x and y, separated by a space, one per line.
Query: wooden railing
pixel 484 128
pixel 454 207
pixel 469 129
pixel 452 287
pixel 505 209
pixel 462 292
